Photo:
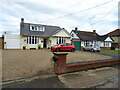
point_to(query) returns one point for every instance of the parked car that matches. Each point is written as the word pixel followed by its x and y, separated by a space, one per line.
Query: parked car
pixel 63 47
pixel 93 47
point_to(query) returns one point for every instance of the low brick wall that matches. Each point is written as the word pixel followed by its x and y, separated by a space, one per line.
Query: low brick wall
pixel 61 67
pixel 90 65
pixel 105 48
pixel 1 43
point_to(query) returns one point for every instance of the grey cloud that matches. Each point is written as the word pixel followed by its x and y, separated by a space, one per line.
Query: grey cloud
pixel 39 8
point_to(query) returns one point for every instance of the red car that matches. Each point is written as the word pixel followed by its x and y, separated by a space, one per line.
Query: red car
pixel 63 47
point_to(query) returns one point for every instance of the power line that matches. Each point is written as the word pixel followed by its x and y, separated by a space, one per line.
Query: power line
pixel 79 11
pixel 103 16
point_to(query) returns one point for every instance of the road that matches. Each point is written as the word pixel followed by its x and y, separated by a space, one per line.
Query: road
pixel 106 77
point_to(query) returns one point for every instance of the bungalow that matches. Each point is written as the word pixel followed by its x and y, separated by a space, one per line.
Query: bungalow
pixel 83 38
pixel 32 35
pixel 115 35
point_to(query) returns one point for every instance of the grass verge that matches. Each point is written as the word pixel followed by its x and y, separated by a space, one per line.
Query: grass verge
pixel 111 51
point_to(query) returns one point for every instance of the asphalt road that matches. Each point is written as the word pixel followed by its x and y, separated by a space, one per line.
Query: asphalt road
pixel 115 56
pixel 50 82
pixel 97 78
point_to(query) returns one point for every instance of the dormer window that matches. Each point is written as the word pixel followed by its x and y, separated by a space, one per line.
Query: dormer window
pixel 36 28
pixel 32 27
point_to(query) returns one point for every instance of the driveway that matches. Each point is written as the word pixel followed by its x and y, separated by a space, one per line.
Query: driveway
pixel 28 63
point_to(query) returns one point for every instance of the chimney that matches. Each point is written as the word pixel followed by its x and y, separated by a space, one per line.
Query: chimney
pixel 94 31
pixel 76 29
pixel 22 22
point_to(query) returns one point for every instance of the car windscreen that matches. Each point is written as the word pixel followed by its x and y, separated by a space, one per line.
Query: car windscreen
pixel 96 45
pixel 89 45
pixel 63 44
pixel 69 44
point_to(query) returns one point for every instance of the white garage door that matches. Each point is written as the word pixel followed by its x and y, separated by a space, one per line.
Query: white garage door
pixel 13 43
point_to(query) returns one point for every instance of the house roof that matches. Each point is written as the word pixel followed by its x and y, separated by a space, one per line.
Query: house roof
pixel 49 30
pixel 89 36
pixel 114 33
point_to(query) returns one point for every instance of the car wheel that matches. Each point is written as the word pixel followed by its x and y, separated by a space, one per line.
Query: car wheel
pixel 57 50
pixel 83 49
pixel 92 50
pixel 72 50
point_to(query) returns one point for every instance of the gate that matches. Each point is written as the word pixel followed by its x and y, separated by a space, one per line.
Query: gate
pixel 77 45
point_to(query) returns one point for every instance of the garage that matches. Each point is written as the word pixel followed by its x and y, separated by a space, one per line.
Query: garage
pixel 12 42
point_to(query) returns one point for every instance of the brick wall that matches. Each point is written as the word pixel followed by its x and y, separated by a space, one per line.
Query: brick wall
pixel 1 43
pixel 90 65
pixel 105 48
pixel 61 67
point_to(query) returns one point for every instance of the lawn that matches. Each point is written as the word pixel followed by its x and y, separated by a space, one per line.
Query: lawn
pixel 111 51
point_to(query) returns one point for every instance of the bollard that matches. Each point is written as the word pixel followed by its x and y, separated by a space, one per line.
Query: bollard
pixel 60 64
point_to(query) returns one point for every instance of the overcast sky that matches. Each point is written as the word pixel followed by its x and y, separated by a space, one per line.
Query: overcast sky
pixel 47 12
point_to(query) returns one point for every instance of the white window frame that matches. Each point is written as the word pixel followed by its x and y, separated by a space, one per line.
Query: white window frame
pixel 33 39
pixel 62 39
pixel 37 28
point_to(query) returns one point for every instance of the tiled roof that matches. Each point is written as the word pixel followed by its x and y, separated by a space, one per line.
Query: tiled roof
pixel 49 30
pixel 114 33
pixel 89 36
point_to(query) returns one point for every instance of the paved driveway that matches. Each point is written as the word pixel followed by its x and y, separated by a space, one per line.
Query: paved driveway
pixel 26 63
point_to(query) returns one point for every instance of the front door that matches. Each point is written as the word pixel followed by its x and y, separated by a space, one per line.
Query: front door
pixel 44 43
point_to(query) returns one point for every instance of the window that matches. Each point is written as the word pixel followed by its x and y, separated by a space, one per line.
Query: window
pixel 63 44
pixel 69 44
pixel 86 43
pixel 91 45
pixel 72 35
pixel 57 40
pixel 60 40
pixel 88 46
pixel 33 27
pixel 32 39
pixel 36 28
pixel 106 44
pixel 29 40
pixel 96 45
pixel 35 40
